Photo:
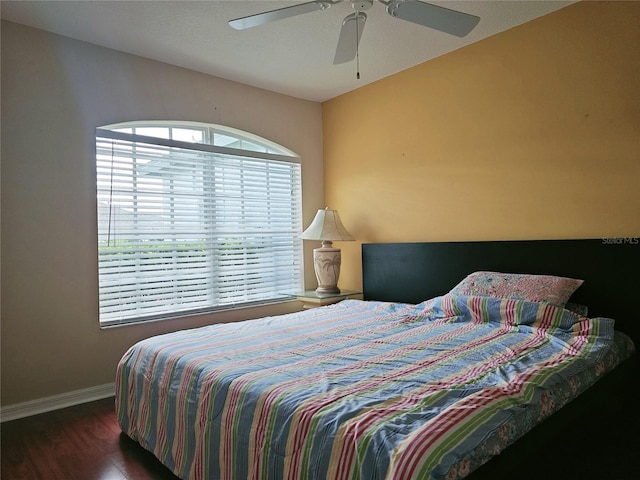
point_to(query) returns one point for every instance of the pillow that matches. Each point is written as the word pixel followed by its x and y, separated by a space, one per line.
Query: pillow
pixel 520 286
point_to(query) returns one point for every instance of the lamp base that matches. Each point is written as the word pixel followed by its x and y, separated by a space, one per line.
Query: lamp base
pixel 326 263
pixel 326 290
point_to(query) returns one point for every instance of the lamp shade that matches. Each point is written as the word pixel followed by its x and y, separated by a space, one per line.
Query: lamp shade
pixel 326 226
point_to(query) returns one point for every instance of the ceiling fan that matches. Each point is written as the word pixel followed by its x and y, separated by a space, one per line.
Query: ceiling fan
pixel 414 11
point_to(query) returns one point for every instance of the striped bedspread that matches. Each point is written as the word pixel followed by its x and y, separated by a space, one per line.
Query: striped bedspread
pixel 359 389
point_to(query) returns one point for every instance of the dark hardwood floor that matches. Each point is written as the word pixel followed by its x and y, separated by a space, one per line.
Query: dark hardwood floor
pixel 83 442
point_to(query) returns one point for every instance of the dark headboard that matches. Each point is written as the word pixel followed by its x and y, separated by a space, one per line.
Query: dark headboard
pixel 413 272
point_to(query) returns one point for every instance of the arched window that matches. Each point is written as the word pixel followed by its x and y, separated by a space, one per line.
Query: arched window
pixel 193 218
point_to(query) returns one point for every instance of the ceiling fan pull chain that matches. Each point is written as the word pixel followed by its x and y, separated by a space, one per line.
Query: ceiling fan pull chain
pixel 357 49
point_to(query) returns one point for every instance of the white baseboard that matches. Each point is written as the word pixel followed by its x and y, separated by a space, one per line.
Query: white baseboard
pixel 55 402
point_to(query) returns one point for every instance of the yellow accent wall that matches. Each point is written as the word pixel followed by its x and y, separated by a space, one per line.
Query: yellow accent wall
pixel 530 134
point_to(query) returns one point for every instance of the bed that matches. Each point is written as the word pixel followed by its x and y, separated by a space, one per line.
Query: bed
pixel 440 372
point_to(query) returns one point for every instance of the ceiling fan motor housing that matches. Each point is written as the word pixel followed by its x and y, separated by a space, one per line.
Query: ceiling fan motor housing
pixel 359 5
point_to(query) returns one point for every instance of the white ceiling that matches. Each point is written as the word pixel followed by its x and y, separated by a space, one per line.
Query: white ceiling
pixel 293 56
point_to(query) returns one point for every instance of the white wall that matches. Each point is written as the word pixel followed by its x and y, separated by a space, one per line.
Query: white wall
pixel 55 92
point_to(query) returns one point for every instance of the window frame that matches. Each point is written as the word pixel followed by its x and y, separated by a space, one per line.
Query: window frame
pixel 273 153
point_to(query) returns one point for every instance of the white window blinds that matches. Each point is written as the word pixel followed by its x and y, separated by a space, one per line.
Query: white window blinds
pixel 186 228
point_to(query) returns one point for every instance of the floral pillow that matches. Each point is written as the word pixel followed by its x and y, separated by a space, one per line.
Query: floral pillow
pixel 520 286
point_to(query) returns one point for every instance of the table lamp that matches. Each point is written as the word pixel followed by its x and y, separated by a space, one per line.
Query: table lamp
pixel 327 228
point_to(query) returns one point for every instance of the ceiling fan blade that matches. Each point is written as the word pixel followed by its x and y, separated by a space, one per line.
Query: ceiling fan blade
pixel 350 33
pixel 433 16
pixel 279 14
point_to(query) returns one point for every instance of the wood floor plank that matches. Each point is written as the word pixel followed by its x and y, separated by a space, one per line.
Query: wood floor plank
pixel 82 442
